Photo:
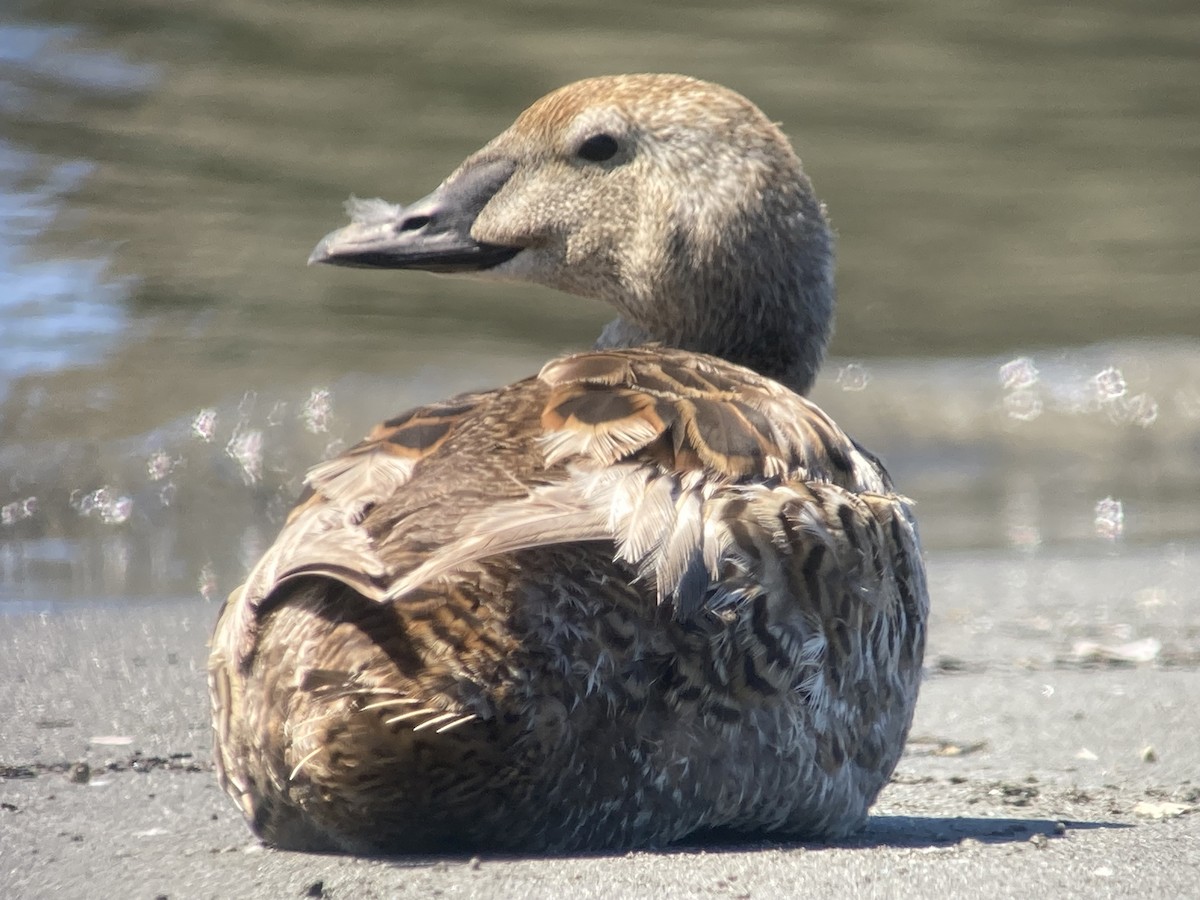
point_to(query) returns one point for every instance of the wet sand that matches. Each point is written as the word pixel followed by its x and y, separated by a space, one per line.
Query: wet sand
pixel 1054 754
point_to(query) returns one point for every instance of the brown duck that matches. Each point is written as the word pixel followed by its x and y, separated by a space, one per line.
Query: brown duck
pixel 649 591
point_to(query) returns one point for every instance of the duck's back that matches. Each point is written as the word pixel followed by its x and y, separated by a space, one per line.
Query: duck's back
pixel 643 593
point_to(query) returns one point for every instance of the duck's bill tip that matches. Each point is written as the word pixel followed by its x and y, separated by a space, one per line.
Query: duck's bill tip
pixel 433 234
pixel 320 252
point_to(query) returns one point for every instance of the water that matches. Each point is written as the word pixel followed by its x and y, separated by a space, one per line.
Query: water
pixel 1014 185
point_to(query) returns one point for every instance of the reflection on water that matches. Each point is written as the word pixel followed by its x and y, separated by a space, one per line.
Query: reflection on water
pixel 64 310
pixel 1014 187
pixel 56 312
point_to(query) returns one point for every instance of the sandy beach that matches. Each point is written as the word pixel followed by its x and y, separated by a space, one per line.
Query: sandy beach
pixel 1053 754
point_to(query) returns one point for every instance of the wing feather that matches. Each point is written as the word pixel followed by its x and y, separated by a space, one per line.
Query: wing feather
pixel 694 470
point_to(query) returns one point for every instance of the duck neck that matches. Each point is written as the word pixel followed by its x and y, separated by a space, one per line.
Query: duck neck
pixel 779 326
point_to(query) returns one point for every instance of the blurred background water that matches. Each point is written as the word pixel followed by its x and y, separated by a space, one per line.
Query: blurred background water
pixel 1015 185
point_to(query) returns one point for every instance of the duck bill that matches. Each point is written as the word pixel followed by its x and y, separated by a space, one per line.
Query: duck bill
pixel 433 234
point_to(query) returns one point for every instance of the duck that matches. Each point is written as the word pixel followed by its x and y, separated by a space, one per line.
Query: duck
pixel 651 592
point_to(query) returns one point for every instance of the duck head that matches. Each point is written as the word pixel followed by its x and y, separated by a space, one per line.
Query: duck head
pixel 674 200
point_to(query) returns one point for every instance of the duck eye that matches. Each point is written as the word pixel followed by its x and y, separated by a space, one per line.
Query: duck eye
pixel 598 148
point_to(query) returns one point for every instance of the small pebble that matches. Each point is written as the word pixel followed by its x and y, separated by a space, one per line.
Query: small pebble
pixel 110 740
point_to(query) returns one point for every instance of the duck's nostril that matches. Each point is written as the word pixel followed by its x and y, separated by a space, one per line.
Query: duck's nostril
pixel 413 223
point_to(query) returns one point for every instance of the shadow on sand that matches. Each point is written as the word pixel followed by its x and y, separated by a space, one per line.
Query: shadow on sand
pixel 923 831
pixel 880 831
pixel 903 831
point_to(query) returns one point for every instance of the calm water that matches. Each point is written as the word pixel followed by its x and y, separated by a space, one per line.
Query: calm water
pixel 1015 188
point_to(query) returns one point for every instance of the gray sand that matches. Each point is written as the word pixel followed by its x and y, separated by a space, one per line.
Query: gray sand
pixel 1038 765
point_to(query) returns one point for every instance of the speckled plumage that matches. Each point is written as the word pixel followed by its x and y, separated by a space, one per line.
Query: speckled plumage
pixel 646 592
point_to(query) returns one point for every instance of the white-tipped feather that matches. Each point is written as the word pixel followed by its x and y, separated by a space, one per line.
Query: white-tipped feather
pixel 605 445
pixel 679 552
pixel 641 513
pixel 397 701
pixel 300 765
pixel 436 720
pixel 404 717
pixel 462 720
pixel 358 479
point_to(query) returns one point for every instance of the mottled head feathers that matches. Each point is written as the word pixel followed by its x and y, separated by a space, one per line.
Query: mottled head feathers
pixel 682 205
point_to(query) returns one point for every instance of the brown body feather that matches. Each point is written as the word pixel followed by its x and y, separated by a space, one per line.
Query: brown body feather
pixel 644 593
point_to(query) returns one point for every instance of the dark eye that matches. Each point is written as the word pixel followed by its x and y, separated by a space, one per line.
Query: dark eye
pixel 598 148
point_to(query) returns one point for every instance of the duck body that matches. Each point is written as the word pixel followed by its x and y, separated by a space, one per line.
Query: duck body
pixel 647 592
